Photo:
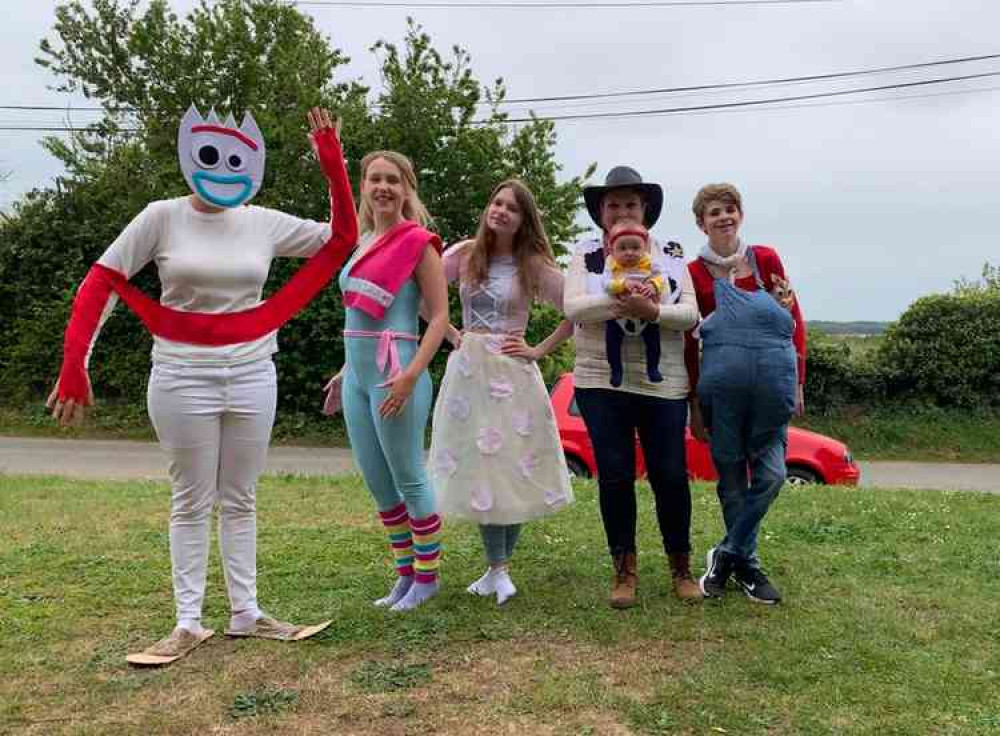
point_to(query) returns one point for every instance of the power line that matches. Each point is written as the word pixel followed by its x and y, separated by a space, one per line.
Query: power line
pixel 745 103
pixel 843 103
pixel 639 92
pixel 51 108
pixel 760 82
pixel 60 129
pixel 493 4
pixel 643 113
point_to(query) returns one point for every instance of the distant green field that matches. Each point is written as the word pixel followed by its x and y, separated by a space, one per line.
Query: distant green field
pixel 860 345
pixel 849 328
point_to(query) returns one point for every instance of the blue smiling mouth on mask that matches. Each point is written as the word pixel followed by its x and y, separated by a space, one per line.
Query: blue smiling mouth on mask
pixel 199 177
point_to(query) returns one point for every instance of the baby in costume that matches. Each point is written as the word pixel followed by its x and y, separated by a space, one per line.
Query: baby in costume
pixel 629 268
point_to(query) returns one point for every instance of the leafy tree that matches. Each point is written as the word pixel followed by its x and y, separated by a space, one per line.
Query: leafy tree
pixel 145 67
pixel 990 281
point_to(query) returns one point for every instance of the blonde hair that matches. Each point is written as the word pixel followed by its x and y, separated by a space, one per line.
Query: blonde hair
pixel 413 208
pixel 723 192
pixel 531 247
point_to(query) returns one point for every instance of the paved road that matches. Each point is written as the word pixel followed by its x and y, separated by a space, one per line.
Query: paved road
pixel 117 459
pixel 113 459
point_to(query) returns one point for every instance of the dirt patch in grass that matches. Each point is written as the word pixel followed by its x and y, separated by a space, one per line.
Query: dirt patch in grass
pixel 516 686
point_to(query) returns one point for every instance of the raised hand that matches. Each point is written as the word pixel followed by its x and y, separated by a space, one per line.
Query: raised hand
pixel 321 119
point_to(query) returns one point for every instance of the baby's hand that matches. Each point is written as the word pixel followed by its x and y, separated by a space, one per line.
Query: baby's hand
pixel 644 289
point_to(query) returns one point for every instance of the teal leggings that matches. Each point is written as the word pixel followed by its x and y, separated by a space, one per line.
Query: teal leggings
pixel 389 451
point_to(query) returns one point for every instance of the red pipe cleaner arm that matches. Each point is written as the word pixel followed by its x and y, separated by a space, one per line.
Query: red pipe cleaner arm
pixel 85 318
pixel 235 327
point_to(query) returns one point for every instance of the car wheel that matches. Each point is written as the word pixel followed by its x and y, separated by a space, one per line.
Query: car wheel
pixel 576 468
pixel 799 476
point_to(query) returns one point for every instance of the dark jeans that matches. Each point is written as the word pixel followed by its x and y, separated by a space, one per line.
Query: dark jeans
pixel 612 419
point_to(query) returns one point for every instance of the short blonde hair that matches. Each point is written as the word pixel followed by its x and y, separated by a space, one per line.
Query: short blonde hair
pixel 413 208
pixel 723 192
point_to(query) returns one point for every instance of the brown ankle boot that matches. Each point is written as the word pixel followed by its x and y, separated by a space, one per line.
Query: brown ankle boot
pixel 684 585
pixel 626 581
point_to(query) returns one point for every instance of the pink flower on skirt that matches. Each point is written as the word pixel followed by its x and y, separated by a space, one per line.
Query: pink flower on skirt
pixel 490 441
pixel 482 498
pixel 501 389
pixel 445 463
pixel 494 344
pixel 524 424
pixel 459 407
pixel 528 465
pixel 553 497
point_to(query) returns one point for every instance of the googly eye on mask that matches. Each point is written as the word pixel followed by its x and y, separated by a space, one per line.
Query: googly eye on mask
pixel 222 163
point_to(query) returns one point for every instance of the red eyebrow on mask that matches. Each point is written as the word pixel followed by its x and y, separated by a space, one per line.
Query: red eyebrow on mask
pixel 225 131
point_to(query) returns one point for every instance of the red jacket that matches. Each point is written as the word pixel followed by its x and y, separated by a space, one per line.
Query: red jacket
pixel 769 264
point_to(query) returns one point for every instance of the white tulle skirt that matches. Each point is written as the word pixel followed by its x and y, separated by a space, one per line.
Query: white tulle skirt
pixel 495 454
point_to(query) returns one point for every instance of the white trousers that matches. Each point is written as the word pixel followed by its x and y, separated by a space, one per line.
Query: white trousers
pixel 214 423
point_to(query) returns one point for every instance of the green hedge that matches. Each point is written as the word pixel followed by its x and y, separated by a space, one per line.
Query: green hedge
pixel 943 352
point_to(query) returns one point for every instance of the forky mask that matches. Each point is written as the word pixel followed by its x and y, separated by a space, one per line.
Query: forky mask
pixel 223 164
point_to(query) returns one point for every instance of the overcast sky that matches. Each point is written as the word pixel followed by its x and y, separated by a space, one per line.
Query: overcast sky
pixel 871 204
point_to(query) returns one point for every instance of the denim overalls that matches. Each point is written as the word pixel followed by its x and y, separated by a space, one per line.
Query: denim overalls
pixel 747 393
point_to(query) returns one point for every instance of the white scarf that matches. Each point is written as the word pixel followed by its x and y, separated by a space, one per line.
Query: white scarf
pixel 726 262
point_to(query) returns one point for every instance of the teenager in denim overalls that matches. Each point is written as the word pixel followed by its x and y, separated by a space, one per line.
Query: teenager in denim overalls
pixel 749 384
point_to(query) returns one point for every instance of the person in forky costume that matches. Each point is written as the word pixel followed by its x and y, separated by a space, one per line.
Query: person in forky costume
pixel 213 390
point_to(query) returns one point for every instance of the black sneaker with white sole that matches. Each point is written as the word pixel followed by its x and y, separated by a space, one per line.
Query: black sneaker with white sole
pixel 755 584
pixel 719 567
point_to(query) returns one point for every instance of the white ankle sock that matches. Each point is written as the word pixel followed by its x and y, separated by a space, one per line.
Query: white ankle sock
pixel 483 586
pixel 191 624
pixel 244 620
pixel 503 586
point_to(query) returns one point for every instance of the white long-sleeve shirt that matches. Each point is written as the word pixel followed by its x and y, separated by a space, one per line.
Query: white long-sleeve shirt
pixel 213 263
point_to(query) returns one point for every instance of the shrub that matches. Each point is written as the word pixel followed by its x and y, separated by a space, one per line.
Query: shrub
pixel 945 349
pixel 836 377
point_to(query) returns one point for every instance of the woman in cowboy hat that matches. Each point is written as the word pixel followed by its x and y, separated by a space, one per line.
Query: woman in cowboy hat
pixel 657 411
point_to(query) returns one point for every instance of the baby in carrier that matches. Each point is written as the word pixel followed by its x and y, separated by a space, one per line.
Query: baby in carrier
pixel 630 268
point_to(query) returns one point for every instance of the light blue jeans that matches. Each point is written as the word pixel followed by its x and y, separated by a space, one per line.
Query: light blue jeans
pixel 499 541
pixel 746 500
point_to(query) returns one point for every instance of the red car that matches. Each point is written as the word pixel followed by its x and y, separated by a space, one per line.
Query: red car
pixel 812 458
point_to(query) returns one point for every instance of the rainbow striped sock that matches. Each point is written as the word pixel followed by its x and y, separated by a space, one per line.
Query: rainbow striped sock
pixel 397 523
pixel 427 547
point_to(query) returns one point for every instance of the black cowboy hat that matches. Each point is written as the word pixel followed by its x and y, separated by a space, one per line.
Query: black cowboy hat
pixel 625 177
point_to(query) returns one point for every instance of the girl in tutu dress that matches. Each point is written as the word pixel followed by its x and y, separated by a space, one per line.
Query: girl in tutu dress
pixel 495 456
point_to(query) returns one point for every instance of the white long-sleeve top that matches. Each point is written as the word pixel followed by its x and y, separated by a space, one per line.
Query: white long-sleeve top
pixel 213 263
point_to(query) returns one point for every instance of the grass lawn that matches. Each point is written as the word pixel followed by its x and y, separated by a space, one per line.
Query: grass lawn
pixel 889 626
pixel 925 434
